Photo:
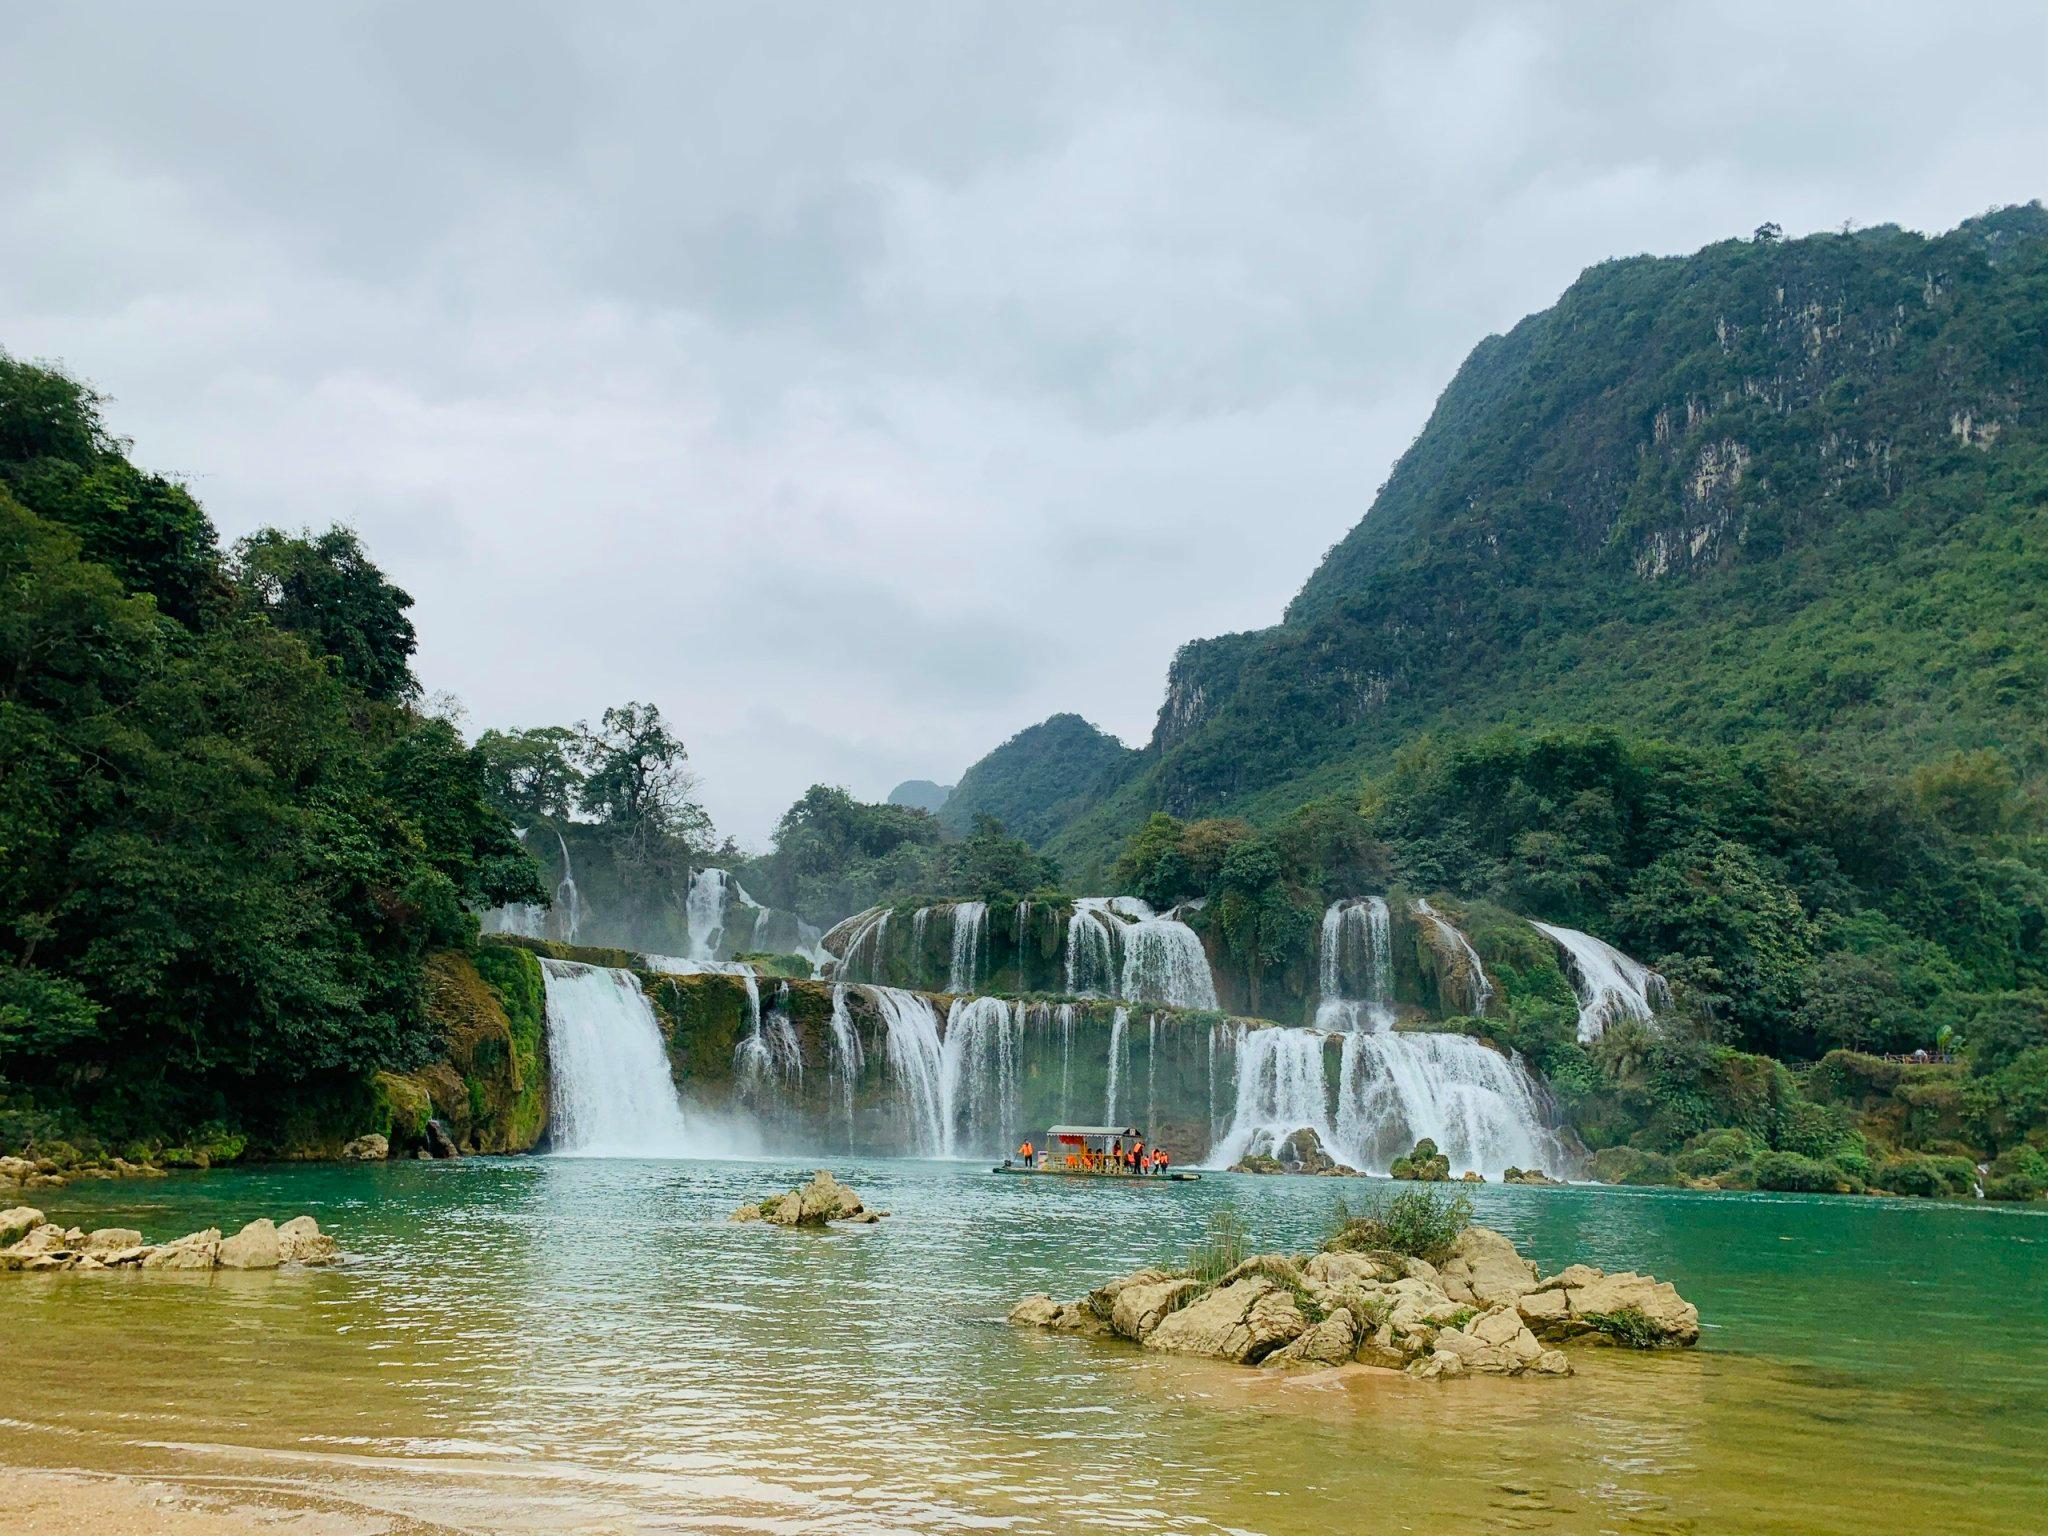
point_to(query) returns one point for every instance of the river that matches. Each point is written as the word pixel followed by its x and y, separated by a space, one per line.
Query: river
pixel 578 1345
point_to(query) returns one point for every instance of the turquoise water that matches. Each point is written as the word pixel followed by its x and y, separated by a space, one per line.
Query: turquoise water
pixel 562 1345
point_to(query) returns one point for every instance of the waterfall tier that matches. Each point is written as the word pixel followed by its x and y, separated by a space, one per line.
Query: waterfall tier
pixel 1355 966
pixel 611 1092
pixel 1610 985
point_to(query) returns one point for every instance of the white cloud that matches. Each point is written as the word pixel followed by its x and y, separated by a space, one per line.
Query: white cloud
pixel 862 384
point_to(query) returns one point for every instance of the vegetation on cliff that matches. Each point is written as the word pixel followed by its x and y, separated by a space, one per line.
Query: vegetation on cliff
pixel 229 840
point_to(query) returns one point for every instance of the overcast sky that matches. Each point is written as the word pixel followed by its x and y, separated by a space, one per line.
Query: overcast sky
pixel 864 382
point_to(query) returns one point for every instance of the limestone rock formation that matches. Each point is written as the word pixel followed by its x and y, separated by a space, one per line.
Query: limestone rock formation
pixel 1425 1163
pixel 822 1200
pixel 367 1149
pixel 259 1245
pixel 1484 1312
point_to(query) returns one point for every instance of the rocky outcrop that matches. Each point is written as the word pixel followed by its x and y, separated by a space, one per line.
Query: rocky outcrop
pixel 367 1149
pixel 1302 1152
pixel 1485 1311
pixel 1528 1176
pixel 1425 1164
pixel 822 1200
pixel 37 1245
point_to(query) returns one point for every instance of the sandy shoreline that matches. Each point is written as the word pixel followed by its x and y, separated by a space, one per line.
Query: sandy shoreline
pixel 62 1502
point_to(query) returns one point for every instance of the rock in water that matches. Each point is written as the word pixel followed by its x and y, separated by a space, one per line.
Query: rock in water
pixel 254 1247
pixel 1244 1321
pixel 1486 1266
pixel 367 1149
pixel 823 1199
pixel 195 1250
pixel 439 1142
pixel 302 1242
pixel 18 1223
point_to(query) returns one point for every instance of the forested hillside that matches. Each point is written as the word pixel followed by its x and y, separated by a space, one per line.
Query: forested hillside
pixel 1041 778
pixel 1775 493
pixel 230 842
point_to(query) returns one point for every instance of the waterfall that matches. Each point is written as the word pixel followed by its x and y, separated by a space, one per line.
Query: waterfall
pixel 861 960
pixel 1481 1108
pixel 769 1062
pixel 1151 1074
pixel 1610 985
pixel 847 1057
pixel 1065 1015
pixel 704 914
pixel 1164 962
pixel 978 1083
pixel 916 1062
pixel 1117 1049
pixel 611 1095
pixel 568 900
pixel 1482 989
pixel 682 965
pixel 1357 939
pixel 969 920
pixel 1091 958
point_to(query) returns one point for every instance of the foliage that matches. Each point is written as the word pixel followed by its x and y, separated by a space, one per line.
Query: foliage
pixel 1222 1249
pixel 1035 780
pixel 534 774
pixel 1422 1223
pixel 1627 1326
pixel 222 860
pixel 324 589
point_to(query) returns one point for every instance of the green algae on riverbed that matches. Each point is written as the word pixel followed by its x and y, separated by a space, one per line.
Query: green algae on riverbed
pixel 547 1344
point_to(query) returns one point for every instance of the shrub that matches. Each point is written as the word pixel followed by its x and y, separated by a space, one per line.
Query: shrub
pixel 1713 1152
pixel 1631 1165
pixel 1791 1172
pixel 2019 1173
pixel 1627 1327
pixel 1929 1177
pixel 1222 1250
pixel 1418 1222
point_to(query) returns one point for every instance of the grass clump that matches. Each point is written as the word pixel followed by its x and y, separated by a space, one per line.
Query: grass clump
pixel 1627 1327
pixel 1224 1247
pixel 1420 1223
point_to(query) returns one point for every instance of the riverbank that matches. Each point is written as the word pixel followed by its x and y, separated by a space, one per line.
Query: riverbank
pixel 62 1503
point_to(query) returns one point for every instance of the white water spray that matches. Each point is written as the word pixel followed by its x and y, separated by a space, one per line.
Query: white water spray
pixel 612 1095
pixel 1357 945
pixel 970 919
pixel 1610 985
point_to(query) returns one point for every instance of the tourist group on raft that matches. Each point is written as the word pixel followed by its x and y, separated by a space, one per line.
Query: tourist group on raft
pixel 1133 1159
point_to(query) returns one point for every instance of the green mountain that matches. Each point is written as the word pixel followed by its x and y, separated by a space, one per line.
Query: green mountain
pixel 1776 493
pixel 921 795
pixel 1040 778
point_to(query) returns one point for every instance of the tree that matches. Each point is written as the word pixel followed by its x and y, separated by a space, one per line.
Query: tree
pixel 326 590
pixel 637 775
pixel 531 774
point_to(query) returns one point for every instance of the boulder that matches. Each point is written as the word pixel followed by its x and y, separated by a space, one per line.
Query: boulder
pixel 1543 1309
pixel 1552 1362
pixel 1670 1318
pixel 1342 1270
pixel 195 1250
pixel 254 1247
pixel 826 1199
pixel 367 1149
pixel 300 1241
pixel 1441 1363
pixel 1138 1309
pixel 1333 1341
pixel 1486 1263
pixel 1245 1321
pixel 105 1240
pixel 1527 1176
pixel 17 1223
pixel 1102 1300
pixel 1041 1311
pixel 748 1213
pixel 439 1142
pixel 1034 1311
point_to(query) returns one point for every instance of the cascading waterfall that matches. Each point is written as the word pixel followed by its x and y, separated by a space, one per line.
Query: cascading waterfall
pixel 1610 985
pixel 1118 1023
pixel 1481 1108
pixel 568 900
pixel 863 953
pixel 769 1061
pixel 1065 1014
pixel 915 1058
pixel 1163 960
pixel 1482 989
pixel 847 1056
pixel 1357 942
pixel 704 913
pixel 978 1083
pixel 970 919
pixel 1091 953
pixel 611 1093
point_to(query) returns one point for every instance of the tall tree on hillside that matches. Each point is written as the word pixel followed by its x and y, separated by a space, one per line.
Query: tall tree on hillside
pixel 326 590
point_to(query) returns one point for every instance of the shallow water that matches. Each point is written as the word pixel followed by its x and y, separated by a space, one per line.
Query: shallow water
pixel 540 1345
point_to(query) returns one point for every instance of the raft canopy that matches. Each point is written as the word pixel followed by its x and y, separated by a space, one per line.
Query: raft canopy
pixel 1091 1135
